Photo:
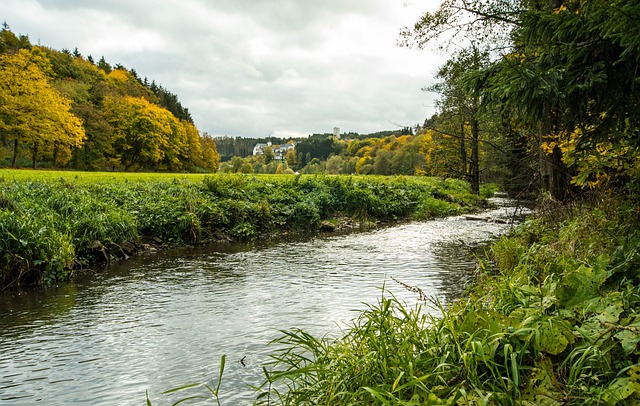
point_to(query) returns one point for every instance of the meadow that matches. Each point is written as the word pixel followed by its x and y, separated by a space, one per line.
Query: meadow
pixel 53 223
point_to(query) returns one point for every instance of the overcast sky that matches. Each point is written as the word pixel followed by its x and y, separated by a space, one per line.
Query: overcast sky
pixel 254 68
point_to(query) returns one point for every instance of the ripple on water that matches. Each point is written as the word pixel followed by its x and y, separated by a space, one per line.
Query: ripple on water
pixel 164 321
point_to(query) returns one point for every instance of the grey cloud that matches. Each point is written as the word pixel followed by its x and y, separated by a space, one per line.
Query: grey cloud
pixel 246 67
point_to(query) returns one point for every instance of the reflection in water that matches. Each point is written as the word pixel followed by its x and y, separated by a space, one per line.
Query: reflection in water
pixel 154 323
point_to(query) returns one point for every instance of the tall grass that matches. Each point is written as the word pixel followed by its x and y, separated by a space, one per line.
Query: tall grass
pixel 55 224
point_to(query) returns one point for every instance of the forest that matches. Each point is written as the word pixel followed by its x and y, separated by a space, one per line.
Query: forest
pixel 423 151
pixel 62 110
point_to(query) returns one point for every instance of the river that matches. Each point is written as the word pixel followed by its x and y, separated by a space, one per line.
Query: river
pixel 161 321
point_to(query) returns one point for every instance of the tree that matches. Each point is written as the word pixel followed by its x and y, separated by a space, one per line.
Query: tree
pixel 144 134
pixel 292 158
pixel 565 70
pixel 32 113
pixel 193 153
pixel 268 155
pixel 104 65
pixel 98 146
pixel 335 165
pixel 572 74
pixel 246 167
pixel 236 164
pixel 210 157
pixel 382 163
pixel 462 105
pixel 459 21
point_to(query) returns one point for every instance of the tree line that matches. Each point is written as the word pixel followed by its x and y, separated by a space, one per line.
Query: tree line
pixel 62 110
pixel 426 152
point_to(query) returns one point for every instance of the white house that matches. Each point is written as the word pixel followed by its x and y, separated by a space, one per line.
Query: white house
pixel 258 149
pixel 279 151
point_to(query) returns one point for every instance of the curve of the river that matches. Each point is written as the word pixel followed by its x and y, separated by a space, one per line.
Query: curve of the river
pixel 162 321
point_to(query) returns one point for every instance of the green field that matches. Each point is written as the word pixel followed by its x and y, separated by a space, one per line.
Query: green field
pixel 88 177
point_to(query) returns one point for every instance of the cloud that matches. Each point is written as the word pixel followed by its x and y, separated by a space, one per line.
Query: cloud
pixel 249 68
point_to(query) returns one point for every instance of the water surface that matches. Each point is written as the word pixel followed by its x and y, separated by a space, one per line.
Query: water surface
pixel 162 321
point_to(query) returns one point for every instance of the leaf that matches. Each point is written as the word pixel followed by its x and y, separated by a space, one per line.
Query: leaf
pixel 541 389
pixel 555 336
pixel 620 389
pixel 611 314
pixel 628 340
pixel 180 388
pixel 581 285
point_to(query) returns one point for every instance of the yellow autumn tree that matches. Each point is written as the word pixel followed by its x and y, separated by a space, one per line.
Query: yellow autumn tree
pixel 210 156
pixel 142 131
pixel 125 84
pixel 193 154
pixel 33 114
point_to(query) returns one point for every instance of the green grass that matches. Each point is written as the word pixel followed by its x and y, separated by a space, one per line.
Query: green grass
pixel 90 177
pixel 53 222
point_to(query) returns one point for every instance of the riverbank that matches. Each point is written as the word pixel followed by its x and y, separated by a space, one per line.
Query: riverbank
pixel 554 319
pixel 54 223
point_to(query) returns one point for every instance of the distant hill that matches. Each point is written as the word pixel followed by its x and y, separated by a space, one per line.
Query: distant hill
pixel 61 109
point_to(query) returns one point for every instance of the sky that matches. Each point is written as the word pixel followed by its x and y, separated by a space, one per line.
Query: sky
pixel 255 68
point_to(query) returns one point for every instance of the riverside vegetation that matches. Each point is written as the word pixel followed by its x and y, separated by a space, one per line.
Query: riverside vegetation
pixel 552 320
pixel 52 223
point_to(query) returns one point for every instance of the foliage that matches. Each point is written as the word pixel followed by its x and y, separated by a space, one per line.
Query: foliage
pixel 33 114
pixel 55 219
pixel 59 109
pixel 562 71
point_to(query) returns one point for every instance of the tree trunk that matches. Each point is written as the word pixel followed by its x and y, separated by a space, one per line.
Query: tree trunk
pixel 474 167
pixel 553 179
pixel 15 153
pixel 35 155
pixel 55 154
pixel 463 150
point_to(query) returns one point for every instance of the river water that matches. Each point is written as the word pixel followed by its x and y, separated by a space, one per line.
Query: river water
pixel 162 321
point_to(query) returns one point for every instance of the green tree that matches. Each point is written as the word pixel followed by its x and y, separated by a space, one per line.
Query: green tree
pixel 382 163
pixel 461 105
pixel 568 75
pixel 572 73
pixel 268 155
pixel 10 43
pixel 104 65
pixel 335 165
pixel 236 164
pixel 247 167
